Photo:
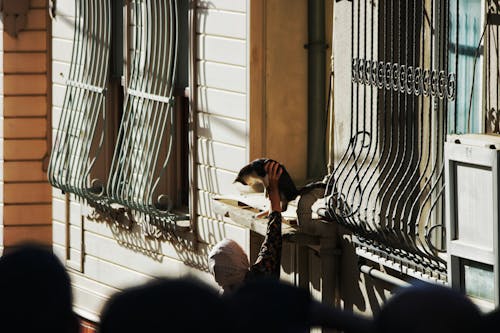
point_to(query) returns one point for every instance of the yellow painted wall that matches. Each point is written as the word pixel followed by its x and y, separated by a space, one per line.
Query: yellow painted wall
pixel 281 127
pixel 286 84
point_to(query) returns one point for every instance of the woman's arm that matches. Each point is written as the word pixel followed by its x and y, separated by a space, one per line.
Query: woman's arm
pixel 269 258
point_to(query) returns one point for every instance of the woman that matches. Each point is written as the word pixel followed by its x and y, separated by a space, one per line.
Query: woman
pixel 227 260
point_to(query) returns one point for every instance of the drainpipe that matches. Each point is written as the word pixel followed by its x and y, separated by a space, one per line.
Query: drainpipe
pixel 316 64
pixel 376 274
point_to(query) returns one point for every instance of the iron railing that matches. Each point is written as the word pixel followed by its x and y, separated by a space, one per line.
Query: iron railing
pixel 81 131
pixel 147 128
pixel 387 187
pixel 136 181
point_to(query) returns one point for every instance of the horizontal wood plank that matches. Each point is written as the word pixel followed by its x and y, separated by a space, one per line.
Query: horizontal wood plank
pixel 58 92
pixel 25 41
pixel 222 76
pixel 212 231
pixel 87 303
pixel 232 5
pixel 134 239
pixel 59 233
pixel 60 72
pixel 17 84
pixel 62 50
pixel 216 180
pixel 223 50
pixel 222 103
pixel 40 3
pixel 24 171
pixel 216 154
pixel 15 62
pixel 24 149
pixel 27 193
pixel 221 129
pixel 37 19
pixel 18 128
pixel 63 29
pixel 65 8
pixel 18 234
pixel 206 206
pixel 59 210
pixel 24 106
pixel 141 262
pixel 27 214
pixel 221 23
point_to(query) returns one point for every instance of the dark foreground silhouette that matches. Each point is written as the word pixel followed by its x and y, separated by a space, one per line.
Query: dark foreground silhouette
pixel 35 292
pixel 166 305
pixel 35 296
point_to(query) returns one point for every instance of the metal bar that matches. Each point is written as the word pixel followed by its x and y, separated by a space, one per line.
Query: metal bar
pixel 387 186
pixel 78 144
pixel 147 130
pixel 377 274
pixel 85 86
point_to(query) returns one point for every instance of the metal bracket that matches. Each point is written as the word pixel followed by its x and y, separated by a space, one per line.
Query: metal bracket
pixel 52 9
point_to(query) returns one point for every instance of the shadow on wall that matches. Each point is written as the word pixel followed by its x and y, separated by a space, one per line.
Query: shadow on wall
pixel 192 254
pixel 357 291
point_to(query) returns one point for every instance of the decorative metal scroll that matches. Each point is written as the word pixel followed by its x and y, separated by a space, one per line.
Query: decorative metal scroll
pixel 81 129
pixel 387 186
pixel 146 132
pixel 405 79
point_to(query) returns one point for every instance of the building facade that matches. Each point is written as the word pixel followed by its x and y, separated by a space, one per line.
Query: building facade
pixel 149 108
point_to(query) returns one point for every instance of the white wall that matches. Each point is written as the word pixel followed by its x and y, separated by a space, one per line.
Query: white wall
pixel 222 110
pixel 114 259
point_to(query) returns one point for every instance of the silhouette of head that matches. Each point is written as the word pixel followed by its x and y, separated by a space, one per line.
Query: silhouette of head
pixel 267 305
pixel 165 305
pixel 35 291
pixel 491 321
pixel 428 308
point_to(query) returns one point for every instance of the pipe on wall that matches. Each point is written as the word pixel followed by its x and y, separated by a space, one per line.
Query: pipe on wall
pixel 316 104
pixel 375 273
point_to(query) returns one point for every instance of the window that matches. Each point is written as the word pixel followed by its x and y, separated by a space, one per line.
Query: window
pixel 123 133
pixel 466 40
pixel 387 185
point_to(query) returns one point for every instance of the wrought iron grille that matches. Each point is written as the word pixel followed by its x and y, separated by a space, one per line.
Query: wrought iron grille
pixel 137 177
pixel 81 129
pixel 387 186
pixel 147 127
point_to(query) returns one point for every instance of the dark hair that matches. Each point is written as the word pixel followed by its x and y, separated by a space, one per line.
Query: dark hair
pixel 35 291
pixel 165 305
pixel 268 305
pixel 428 308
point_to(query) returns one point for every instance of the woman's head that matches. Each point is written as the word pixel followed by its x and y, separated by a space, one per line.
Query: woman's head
pixel 228 263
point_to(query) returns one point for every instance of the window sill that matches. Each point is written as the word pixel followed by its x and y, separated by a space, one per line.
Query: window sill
pixel 243 209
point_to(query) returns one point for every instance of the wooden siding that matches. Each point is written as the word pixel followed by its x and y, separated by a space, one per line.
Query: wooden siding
pixel 113 259
pixel 26 78
pixel 2 114
pixel 222 129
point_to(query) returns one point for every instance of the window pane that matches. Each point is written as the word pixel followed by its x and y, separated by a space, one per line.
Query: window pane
pixel 464 114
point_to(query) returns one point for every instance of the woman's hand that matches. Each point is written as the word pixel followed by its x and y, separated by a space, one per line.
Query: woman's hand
pixel 274 171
